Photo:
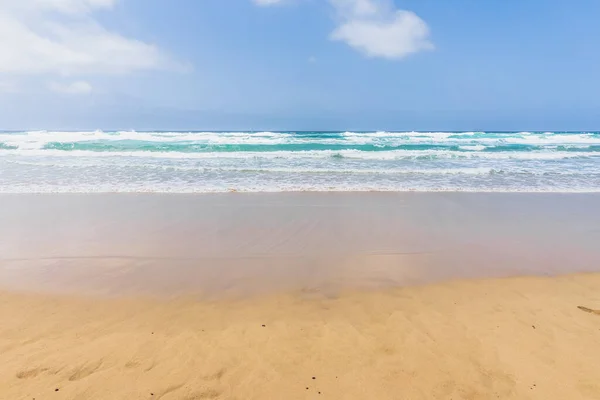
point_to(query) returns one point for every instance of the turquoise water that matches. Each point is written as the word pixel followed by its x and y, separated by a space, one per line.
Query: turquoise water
pixel 299 161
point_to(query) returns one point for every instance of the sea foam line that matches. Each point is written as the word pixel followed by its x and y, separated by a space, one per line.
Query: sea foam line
pixel 307 154
pixel 39 139
pixel 90 189
pixel 325 170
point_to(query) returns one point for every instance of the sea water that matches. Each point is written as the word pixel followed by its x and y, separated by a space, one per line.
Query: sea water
pixel 184 162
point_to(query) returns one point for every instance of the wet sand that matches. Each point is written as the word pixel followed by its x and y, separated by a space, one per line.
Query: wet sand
pixel 239 244
pixel 299 296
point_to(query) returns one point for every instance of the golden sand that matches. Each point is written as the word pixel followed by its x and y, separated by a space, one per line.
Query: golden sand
pixel 516 338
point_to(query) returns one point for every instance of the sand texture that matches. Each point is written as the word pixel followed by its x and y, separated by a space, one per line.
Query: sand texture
pixel 510 338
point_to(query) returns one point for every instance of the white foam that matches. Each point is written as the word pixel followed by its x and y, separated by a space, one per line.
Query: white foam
pixel 38 139
pixel 473 147
pixel 469 166
pixel 384 134
pixel 166 188
pixel 329 171
pixel 349 154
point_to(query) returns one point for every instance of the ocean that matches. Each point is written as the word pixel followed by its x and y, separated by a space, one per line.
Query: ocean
pixel 204 162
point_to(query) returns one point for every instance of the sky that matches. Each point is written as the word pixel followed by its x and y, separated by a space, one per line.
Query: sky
pixel 299 65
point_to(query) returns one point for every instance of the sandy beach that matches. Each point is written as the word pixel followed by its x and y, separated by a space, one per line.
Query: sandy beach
pixel 512 338
pixel 299 200
pixel 295 296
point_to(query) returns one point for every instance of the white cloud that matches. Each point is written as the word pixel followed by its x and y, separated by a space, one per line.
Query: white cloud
pixel 377 29
pixel 65 6
pixel 62 37
pixel 78 87
pixel 266 3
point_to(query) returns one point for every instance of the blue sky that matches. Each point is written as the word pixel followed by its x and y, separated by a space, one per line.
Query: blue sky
pixel 300 64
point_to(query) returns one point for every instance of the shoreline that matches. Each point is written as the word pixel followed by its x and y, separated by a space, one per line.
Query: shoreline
pixel 309 191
